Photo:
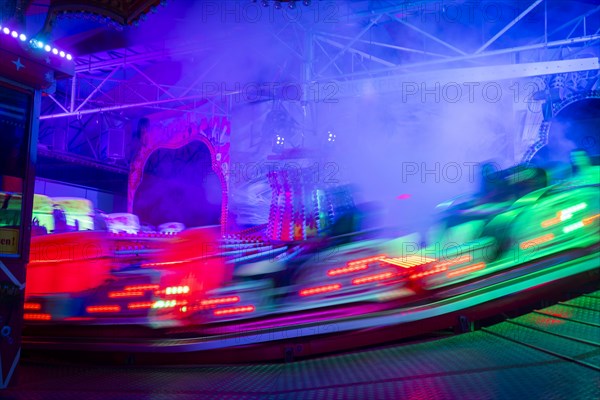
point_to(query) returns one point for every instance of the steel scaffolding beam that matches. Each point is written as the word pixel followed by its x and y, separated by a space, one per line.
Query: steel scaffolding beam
pixel 122 107
pixel 409 82
pixel 402 14
pixel 468 57
pixel 511 24
pixel 367 56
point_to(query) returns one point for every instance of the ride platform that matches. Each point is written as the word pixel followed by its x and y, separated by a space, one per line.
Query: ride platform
pixel 550 353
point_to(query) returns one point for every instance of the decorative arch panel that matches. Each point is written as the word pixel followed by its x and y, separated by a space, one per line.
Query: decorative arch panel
pixel 554 110
pixel 214 132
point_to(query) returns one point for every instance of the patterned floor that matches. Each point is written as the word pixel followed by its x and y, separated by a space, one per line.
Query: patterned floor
pixel 552 353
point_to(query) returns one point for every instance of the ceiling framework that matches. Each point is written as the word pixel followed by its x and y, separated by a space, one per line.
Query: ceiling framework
pixel 106 96
pixel 370 44
pixel 359 57
pixel 115 80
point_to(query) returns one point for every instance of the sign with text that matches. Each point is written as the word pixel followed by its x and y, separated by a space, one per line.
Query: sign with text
pixel 9 241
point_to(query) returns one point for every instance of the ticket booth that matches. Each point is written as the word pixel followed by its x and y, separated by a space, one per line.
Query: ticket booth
pixel 26 70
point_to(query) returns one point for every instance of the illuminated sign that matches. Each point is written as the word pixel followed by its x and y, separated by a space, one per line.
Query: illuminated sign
pixel 9 241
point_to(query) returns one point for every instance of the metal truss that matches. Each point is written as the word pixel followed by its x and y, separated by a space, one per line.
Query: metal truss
pixel 358 56
pixel 108 87
pixel 116 80
pixel 106 96
pixel 566 46
pixel 110 90
pixel 103 82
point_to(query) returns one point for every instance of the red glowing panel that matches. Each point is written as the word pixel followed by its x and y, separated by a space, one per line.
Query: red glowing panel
pixel 141 287
pixel 534 242
pixel 126 293
pixel 37 317
pixel 234 310
pixel 466 270
pixel 320 289
pixel 32 306
pixel 347 270
pixel 140 305
pixel 372 278
pixel 220 300
pixel 102 309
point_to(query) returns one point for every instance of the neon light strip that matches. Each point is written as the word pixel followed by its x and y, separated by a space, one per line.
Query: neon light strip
pixel 320 289
pixel 177 290
pixel 126 293
pixel 430 272
pixel 168 303
pixel 372 278
pixel 441 267
pixel 165 263
pixel 568 212
pixel 178 262
pixel 141 287
pixel 551 221
pixel 141 305
pixel 465 270
pixel 564 215
pixel 580 224
pixel 366 260
pixel 22 37
pixel 356 265
pixel 37 317
pixel 572 227
pixel 234 310
pixel 534 242
pixel 220 300
pixel 347 270
pixel 32 306
pixel 408 262
pixel 63 260
pixel 102 309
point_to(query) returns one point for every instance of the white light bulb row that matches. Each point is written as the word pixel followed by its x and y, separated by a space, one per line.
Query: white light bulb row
pixel 37 44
